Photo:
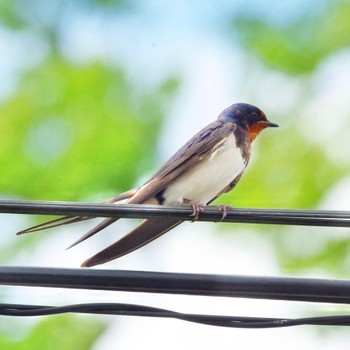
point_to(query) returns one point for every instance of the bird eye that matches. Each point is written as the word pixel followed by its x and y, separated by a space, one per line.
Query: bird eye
pixel 254 114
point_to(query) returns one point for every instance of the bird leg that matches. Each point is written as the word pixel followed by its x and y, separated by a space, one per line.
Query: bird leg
pixel 197 208
pixel 223 209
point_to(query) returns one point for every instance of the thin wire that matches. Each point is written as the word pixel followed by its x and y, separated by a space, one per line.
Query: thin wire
pixel 210 213
pixel 147 311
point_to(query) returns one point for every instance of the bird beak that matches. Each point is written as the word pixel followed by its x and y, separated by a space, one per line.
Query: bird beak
pixel 271 125
pixel 268 124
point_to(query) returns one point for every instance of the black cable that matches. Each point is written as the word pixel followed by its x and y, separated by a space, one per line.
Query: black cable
pixel 295 289
pixel 147 311
pixel 274 288
pixel 210 213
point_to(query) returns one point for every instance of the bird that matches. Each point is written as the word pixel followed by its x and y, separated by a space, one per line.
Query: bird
pixel 209 164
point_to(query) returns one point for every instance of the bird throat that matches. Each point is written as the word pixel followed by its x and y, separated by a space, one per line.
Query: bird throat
pixel 254 130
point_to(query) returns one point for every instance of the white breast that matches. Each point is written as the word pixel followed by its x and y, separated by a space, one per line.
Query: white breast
pixel 209 177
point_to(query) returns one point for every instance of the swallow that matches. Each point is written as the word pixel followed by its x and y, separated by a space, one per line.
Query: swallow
pixel 209 164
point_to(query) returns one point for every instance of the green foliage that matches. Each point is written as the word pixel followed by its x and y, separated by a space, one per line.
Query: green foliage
pixel 329 255
pixel 58 332
pixel 300 46
pixel 8 15
pixel 71 131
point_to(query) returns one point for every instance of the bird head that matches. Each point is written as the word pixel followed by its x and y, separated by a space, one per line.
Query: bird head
pixel 247 116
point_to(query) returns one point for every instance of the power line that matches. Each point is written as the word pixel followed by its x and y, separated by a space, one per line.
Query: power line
pixel 147 311
pixel 210 213
pixel 264 287
pixel 256 287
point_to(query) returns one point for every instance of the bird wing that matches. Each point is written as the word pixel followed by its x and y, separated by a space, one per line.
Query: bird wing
pixel 197 149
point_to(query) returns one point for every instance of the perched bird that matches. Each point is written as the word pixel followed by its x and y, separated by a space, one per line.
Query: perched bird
pixel 208 165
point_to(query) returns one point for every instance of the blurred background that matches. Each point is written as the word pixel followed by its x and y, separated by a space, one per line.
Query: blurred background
pixel 96 94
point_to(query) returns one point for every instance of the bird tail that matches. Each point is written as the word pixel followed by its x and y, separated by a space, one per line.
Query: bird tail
pixel 144 233
pixel 103 224
pixel 66 220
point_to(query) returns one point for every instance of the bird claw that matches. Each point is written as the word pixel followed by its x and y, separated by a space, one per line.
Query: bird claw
pixel 197 209
pixel 223 208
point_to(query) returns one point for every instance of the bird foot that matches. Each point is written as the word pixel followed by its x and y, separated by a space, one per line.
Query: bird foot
pixel 223 209
pixel 197 209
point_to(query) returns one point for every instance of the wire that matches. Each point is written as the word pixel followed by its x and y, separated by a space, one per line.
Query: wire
pixel 256 287
pixel 147 311
pixel 276 288
pixel 211 213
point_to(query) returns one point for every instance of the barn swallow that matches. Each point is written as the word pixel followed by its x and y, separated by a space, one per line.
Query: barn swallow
pixel 208 165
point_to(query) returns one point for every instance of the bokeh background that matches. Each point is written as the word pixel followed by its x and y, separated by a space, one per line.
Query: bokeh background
pixel 96 94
